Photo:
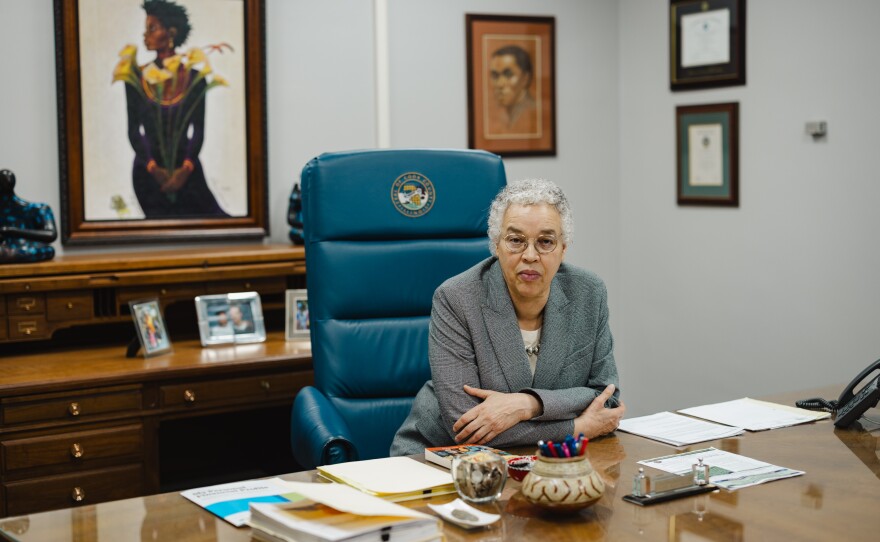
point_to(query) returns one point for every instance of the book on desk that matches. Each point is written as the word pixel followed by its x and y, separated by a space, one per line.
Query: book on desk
pixel 334 512
pixel 443 455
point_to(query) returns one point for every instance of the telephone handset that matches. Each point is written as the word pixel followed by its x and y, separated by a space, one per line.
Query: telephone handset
pixel 850 405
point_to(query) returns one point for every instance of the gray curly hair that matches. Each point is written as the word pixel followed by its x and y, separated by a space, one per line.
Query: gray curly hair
pixel 529 192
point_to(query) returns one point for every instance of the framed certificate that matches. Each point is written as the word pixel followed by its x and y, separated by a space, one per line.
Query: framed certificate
pixel 707 139
pixel 707 43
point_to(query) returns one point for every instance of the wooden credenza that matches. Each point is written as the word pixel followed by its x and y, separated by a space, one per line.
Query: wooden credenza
pixel 84 424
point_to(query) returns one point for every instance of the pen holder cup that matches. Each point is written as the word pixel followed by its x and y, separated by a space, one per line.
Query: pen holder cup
pixel 479 478
pixel 563 484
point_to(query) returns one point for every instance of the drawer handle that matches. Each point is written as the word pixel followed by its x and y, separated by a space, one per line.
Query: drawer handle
pixel 73 409
pixel 163 291
pixel 77 451
pixel 26 303
pixel 247 285
pixel 78 494
pixel 264 384
pixel 27 328
pixel 69 305
pixel 189 396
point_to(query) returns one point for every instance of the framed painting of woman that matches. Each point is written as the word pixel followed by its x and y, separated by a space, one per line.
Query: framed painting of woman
pixel 161 119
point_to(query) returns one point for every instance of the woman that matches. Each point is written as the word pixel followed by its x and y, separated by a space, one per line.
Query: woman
pixel 519 345
pixel 166 122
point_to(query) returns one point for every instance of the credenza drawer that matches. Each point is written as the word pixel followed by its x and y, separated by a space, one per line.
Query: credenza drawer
pixel 70 305
pixel 27 304
pixel 87 487
pixel 71 406
pixel 251 388
pixel 74 448
pixel 33 326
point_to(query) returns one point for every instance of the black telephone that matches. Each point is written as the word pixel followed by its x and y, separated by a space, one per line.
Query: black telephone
pixel 850 405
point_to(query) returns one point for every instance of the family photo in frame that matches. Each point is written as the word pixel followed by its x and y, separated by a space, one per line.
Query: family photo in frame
pixel 230 318
pixel 297 323
pixel 150 327
pixel 162 125
pixel 511 78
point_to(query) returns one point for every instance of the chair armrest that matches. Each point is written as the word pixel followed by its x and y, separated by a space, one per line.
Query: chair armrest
pixel 318 433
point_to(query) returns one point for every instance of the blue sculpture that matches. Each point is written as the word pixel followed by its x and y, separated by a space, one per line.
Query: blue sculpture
pixel 295 216
pixel 26 229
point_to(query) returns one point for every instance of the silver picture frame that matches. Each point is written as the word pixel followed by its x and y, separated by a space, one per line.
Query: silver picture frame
pixel 233 318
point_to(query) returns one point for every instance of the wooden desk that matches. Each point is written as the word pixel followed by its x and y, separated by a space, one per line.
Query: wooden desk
pixel 837 498
pixel 83 425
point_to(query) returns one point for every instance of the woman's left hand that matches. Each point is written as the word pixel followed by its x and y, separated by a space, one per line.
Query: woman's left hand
pixel 497 413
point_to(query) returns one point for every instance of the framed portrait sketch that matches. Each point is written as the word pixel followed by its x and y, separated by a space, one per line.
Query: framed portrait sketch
pixel 230 318
pixel 162 121
pixel 511 78
pixel 707 139
pixel 297 315
pixel 150 327
pixel 707 43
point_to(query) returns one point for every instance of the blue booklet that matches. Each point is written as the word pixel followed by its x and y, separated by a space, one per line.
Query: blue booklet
pixel 231 502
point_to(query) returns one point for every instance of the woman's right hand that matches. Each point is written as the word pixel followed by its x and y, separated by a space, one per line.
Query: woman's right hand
pixel 596 420
pixel 160 174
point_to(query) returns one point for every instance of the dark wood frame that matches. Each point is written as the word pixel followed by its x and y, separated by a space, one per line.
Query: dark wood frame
pixel 526 146
pixel 709 196
pixel 75 229
pixel 715 75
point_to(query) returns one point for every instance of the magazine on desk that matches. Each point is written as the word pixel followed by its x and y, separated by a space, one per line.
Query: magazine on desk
pixel 336 512
pixel 443 455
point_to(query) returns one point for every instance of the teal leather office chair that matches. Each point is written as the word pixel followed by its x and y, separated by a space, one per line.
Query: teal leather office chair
pixel 383 229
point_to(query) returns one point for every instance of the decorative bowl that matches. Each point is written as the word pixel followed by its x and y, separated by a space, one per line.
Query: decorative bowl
pixel 518 467
pixel 563 484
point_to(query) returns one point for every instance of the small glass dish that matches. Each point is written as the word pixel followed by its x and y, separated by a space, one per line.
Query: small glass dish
pixel 479 477
pixel 518 467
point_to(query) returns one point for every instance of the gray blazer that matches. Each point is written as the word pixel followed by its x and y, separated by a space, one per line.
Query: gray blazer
pixel 475 339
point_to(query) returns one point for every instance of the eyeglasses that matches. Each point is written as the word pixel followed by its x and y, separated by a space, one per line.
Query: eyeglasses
pixel 516 243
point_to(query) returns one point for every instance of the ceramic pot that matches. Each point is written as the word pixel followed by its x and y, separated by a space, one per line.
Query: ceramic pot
pixel 563 484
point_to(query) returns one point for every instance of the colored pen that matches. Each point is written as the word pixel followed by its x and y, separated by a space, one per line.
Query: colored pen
pixel 552 448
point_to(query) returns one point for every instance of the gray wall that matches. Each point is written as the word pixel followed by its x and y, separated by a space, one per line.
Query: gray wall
pixel 782 293
pixel 705 303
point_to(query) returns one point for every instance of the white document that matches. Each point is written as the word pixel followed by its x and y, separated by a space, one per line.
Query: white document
pixel 676 430
pixel 348 499
pixel 705 38
pixel 754 415
pixel 705 155
pixel 726 470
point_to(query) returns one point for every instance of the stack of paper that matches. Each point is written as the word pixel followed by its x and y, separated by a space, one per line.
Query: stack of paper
pixel 334 512
pixel 726 470
pixel 754 415
pixel 676 430
pixel 392 478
